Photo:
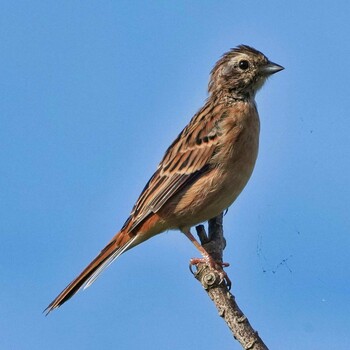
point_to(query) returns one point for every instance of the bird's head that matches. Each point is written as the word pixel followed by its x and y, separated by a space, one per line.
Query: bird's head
pixel 241 72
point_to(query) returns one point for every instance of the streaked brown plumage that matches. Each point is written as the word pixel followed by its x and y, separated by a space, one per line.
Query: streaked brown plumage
pixel 204 169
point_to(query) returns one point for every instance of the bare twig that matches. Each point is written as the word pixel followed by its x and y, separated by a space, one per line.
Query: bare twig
pixel 217 290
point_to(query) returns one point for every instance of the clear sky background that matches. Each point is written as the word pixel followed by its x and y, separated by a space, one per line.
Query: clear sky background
pixel 92 93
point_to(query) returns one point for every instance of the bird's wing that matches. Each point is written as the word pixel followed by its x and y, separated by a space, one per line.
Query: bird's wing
pixel 186 159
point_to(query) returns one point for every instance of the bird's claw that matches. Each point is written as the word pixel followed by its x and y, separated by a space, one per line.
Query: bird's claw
pixel 217 266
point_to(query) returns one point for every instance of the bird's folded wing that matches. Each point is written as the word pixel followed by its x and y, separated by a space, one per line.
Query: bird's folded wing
pixel 186 159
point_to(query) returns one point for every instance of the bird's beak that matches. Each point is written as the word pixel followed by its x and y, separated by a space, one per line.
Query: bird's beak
pixel 271 68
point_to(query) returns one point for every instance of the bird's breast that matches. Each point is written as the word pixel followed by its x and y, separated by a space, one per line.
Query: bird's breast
pixel 231 167
pixel 240 142
pixel 237 154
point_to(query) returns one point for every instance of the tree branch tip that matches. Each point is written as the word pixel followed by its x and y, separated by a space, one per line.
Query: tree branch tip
pixel 203 237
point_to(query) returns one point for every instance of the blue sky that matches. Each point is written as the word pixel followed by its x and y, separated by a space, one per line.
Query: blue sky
pixel 92 93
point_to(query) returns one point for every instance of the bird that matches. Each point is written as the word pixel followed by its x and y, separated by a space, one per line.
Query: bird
pixel 203 171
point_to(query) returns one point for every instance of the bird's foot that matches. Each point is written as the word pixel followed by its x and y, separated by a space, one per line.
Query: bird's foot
pixel 214 265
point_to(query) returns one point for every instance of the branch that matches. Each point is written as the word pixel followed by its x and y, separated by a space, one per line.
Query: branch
pixel 218 291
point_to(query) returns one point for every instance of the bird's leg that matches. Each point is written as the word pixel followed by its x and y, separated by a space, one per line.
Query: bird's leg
pixel 208 259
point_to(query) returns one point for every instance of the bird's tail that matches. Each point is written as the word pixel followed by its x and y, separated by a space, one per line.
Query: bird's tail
pixel 117 246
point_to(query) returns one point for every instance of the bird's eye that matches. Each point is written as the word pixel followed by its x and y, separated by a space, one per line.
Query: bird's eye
pixel 243 64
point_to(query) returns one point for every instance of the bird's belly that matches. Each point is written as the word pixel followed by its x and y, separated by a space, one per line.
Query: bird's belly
pixel 215 191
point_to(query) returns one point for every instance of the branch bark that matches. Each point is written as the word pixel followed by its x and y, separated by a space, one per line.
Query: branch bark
pixel 214 243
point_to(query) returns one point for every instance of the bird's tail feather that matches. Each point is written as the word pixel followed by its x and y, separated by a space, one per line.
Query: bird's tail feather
pixel 117 246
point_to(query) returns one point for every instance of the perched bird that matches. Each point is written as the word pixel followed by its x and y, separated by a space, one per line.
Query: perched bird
pixel 204 169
